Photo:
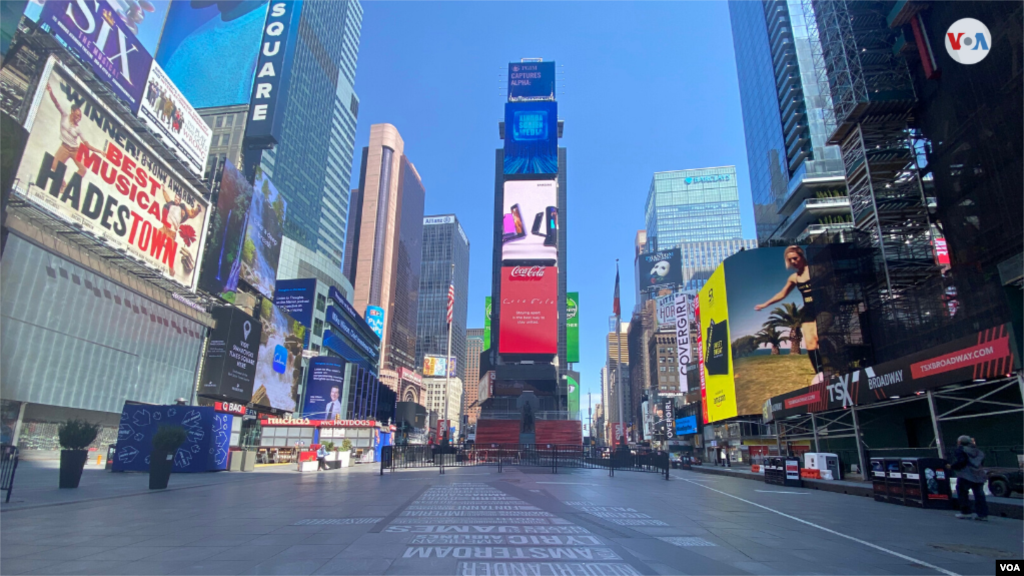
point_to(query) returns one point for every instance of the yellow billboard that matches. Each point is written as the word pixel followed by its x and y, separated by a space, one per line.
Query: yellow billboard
pixel 719 394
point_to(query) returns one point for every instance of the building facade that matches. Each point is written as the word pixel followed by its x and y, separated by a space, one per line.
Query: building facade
pixel 797 180
pixel 693 205
pixel 471 382
pixel 444 244
pixel 699 259
pixel 438 400
pixel 311 166
pixel 385 259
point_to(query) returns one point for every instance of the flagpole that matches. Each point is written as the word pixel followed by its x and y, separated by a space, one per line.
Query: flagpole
pixel 448 355
pixel 618 368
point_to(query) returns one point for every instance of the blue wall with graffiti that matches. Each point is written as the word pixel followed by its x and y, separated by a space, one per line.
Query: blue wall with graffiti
pixel 204 450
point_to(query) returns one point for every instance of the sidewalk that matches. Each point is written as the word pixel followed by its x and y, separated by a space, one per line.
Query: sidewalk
pixel 36 483
pixel 1005 507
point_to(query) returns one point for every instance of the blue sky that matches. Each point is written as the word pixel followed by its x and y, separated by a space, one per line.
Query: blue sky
pixel 646 87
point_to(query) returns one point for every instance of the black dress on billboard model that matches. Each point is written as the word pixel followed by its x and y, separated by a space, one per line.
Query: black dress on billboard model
pixel 716 357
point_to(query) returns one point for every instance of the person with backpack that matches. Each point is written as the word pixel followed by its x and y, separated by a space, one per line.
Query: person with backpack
pixel 967 461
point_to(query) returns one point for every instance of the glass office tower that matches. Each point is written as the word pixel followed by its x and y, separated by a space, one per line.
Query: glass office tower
pixel 797 182
pixel 444 244
pixel 694 205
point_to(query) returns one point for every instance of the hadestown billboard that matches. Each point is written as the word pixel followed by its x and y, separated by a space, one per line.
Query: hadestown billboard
pixel 84 166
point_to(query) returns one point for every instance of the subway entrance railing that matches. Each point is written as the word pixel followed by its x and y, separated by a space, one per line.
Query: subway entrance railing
pixel 553 456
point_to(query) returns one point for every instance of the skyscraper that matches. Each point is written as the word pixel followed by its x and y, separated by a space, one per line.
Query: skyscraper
pixel 385 259
pixel 691 206
pixel 797 180
pixel 699 259
pixel 444 244
pixel 311 166
pixel 471 383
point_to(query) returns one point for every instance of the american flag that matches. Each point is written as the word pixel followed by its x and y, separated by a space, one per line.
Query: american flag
pixel 451 301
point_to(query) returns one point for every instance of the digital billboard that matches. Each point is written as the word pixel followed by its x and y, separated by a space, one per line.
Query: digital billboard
pixel 324 384
pixel 758 323
pixel 279 363
pixel 530 221
pixel 119 191
pixel 665 312
pixel 686 425
pixel 280 34
pixel 145 19
pixel 573 382
pixel 572 327
pixel 487 323
pixel 531 81
pixel 209 50
pixel 107 44
pixel 660 270
pixel 297 298
pixel 531 138
pixel 375 319
pixel 262 247
pixel 230 366
pixel 435 366
pixel 221 264
pixel 167 113
pixel 529 310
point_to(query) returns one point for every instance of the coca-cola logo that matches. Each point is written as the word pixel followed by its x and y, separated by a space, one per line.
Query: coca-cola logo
pixel 527 272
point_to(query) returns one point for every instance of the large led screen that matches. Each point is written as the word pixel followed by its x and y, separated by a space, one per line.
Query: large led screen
pixel 531 81
pixel 530 221
pixel 531 138
pixel 106 43
pixel 660 270
pixel 262 247
pixel 230 366
pixel 279 365
pixel 117 190
pixel 435 366
pixel 209 49
pixel 529 310
pixel 221 263
pixel 758 329
pixel 324 385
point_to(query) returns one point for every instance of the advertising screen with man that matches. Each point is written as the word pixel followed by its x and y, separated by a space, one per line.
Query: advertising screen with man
pixel 324 385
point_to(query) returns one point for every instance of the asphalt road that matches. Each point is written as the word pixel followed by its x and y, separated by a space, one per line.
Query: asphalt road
pixel 477 521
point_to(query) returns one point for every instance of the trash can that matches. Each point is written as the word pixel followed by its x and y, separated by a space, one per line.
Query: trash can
pixel 926 483
pixel 792 473
pixel 894 481
pixel 878 485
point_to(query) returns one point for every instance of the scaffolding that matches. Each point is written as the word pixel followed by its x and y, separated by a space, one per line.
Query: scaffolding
pixel 872 105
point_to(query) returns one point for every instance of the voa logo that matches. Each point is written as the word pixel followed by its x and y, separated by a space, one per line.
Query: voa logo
pixel 967 41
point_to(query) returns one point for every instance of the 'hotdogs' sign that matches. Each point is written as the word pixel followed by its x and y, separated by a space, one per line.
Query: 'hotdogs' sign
pixel 82 164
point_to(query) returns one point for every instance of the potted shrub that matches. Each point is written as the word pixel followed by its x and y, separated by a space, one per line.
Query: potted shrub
pixel 346 452
pixel 161 461
pixel 75 437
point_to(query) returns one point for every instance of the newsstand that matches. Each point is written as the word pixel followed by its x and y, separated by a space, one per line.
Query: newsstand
pixel 878 485
pixel 783 471
pixel 894 480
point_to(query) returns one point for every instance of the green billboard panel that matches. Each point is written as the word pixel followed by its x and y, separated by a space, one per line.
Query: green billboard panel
pixel 573 381
pixel 572 327
pixel 487 323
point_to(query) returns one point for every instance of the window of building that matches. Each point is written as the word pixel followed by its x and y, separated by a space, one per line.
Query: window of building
pixel 321 302
pixel 229 120
pixel 218 122
pixel 318 327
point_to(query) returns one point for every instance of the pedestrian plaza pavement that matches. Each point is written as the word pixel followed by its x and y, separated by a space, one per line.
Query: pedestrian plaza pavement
pixel 476 521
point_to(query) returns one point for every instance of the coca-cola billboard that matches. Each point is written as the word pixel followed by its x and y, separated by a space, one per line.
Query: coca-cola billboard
pixel 529 310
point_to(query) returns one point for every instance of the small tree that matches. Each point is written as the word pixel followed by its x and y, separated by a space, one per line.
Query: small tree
pixel 77 434
pixel 346 445
pixel 168 438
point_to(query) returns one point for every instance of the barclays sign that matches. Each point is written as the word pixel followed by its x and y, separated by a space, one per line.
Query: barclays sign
pixel 703 179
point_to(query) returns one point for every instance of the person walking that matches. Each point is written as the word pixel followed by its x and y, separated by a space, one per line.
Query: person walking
pixel 321 458
pixel 967 461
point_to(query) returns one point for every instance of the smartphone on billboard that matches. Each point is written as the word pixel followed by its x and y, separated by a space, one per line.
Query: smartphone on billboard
pixel 551 226
pixel 538 221
pixel 517 216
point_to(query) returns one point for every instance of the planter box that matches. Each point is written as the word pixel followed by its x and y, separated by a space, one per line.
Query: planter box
pixel 72 462
pixel 160 465
pixel 248 460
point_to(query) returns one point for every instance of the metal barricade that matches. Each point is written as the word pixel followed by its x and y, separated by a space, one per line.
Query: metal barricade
pixel 8 466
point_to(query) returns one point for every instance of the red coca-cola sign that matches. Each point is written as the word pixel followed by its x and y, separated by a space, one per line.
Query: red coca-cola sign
pixel 529 310
pixel 527 272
